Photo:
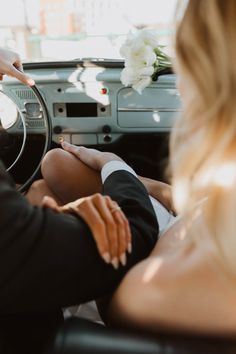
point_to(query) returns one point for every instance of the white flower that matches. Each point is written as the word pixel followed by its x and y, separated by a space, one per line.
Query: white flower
pixel 143 55
pixel 141 59
pixel 131 75
pixel 128 76
pixel 149 37
pixel 141 84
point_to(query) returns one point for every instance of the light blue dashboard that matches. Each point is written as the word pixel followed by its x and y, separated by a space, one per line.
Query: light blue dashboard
pixel 89 105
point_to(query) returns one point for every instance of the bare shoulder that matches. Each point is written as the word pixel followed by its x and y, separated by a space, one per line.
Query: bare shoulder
pixel 185 289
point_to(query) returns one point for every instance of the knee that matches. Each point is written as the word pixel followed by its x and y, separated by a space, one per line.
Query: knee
pixel 52 163
pixel 37 185
pixel 52 157
pixel 36 192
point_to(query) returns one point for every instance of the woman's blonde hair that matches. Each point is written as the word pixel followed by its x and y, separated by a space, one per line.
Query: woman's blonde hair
pixel 203 141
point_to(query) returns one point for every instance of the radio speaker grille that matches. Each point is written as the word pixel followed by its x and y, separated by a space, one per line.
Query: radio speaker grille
pixel 24 94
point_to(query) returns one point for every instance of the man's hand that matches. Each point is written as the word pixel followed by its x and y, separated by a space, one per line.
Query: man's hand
pixel 107 222
pixel 10 64
pixel 91 157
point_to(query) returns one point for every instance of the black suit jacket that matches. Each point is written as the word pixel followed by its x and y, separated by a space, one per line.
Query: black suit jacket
pixel 48 261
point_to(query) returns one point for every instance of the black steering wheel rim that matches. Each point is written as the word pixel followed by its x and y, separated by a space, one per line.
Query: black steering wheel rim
pixel 48 135
pixel 48 138
pixel 12 164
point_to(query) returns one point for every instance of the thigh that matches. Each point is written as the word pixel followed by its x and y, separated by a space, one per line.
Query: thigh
pixel 67 177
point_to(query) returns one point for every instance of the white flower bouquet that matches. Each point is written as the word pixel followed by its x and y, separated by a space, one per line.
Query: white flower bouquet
pixel 144 59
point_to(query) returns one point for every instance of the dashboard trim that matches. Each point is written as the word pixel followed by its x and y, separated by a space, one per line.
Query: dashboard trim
pixel 146 109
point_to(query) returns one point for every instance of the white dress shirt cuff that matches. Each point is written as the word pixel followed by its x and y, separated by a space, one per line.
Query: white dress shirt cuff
pixel 113 166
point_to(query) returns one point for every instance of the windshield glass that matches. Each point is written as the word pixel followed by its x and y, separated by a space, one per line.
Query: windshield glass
pixel 70 29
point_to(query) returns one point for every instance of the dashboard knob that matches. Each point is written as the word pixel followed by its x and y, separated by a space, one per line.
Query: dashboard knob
pixel 107 138
pixel 57 129
pixel 106 129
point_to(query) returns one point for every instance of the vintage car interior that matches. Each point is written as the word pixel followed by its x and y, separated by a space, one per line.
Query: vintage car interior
pixel 87 104
pixel 84 102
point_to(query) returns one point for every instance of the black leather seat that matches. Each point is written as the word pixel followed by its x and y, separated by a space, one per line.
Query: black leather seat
pixel 78 336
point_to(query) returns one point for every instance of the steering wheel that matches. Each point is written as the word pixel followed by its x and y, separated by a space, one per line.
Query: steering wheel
pixel 10 115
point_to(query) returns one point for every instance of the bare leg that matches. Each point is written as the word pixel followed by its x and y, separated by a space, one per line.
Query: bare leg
pixel 67 177
pixel 37 191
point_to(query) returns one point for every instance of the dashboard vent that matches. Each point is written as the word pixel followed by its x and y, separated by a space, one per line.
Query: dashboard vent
pixel 25 94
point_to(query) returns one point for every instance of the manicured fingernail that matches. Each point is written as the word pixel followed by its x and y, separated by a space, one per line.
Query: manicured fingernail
pixel 115 263
pixel 123 259
pixel 106 256
pixel 129 247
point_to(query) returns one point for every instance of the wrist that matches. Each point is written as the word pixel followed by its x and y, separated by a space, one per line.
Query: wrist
pixel 108 157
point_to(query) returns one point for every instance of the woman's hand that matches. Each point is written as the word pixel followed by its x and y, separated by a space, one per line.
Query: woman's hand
pixel 107 222
pixel 10 64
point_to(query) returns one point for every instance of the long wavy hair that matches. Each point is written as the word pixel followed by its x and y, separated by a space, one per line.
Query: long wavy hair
pixel 203 141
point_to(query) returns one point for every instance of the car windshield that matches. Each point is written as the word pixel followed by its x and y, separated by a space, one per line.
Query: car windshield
pixel 51 30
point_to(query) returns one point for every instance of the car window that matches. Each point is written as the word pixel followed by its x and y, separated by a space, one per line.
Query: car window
pixel 69 29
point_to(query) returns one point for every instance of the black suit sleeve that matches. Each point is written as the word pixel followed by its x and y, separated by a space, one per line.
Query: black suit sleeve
pixel 49 260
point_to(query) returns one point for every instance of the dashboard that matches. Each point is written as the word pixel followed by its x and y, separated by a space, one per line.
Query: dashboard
pixel 88 104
